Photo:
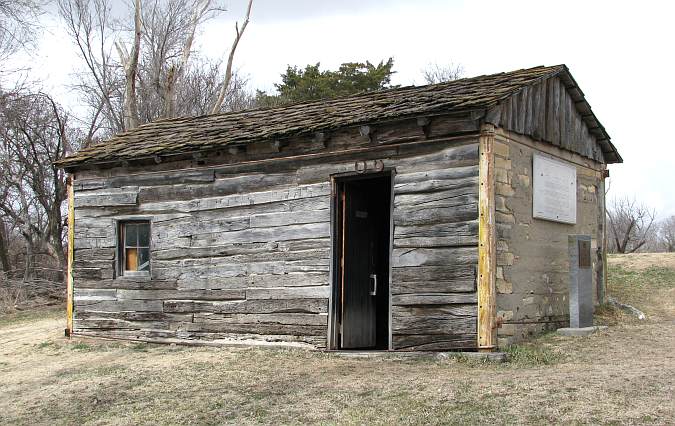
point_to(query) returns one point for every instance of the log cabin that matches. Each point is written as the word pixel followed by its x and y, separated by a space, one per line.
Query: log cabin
pixel 402 219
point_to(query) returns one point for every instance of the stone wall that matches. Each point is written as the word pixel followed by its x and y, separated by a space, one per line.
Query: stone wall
pixel 532 256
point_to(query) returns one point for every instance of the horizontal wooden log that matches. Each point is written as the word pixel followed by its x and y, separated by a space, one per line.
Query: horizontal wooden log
pixel 288 319
pixel 290 218
pixel 434 286
pixel 181 294
pixel 463 229
pixel 439 199
pixel 297 279
pixel 469 182
pixel 127 283
pixel 196 337
pixel 228 184
pixel 134 335
pixel 438 273
pixel 429 242
pixel 196 225
pixel 434 256
pixel 118 324
pixel 255 328
pixel 148 179
pixel 439 311
pixel 437 235
pixel 261 235
pixel 310 306
pixel 240 200
pixel 433 299
pixel 227 268
pixel 128 197
pixel 95 254
pixel 94 263
pixel 119 305
pixel 433 325
pixel 304 257
pixel 135 316
pixel 404 180
pixel 436 342
pixel 234 249
pixel 312 292
pixel 93 273
pixel 95 243
pixel 449 157
pixel 407 216
pixel 84 294
pixel 442 126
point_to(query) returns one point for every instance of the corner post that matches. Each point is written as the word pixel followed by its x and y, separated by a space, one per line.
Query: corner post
pixel 71 257
pixel 487 329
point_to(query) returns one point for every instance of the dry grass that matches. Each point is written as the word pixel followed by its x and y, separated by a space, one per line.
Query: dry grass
pixel 623 375
pixel 641 261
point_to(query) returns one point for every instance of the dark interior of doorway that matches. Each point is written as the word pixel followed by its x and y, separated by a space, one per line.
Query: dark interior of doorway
pixel 363 227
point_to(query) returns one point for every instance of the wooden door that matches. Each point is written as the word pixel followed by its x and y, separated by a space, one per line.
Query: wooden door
pixel 358 305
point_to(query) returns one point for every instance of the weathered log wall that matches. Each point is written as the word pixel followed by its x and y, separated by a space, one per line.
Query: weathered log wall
pixel 242 250
pixel 532 254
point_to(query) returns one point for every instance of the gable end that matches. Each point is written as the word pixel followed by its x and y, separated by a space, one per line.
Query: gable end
pixel 555 110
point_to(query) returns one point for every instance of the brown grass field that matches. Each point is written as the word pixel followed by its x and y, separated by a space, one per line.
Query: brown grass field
pixel 623 375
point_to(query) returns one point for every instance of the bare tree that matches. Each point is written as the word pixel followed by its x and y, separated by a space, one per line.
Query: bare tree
pixel 34 132
pixel 155 78
pixel 130 65
pixel 88 23
pixel 435 73
pixel 667 233
pixel 228 71
pixel 631 225
pixel 17 25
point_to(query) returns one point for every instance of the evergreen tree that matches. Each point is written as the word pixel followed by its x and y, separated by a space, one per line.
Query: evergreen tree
pixel 311 83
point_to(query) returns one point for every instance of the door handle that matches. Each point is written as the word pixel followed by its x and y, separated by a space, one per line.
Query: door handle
pixel 373 292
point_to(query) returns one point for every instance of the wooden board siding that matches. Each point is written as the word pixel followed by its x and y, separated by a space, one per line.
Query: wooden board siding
pixel 547 111
pixel 243 252
pixel 434 255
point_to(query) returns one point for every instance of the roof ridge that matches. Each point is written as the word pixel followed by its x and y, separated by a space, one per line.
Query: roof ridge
pixel 349 96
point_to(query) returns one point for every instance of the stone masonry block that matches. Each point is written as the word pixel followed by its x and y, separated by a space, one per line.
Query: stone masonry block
pixel 503 286
pixel 501 163
pixel 501 149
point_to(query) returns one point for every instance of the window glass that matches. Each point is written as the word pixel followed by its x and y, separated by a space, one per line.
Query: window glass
pixel 143 235
pixel 143 259
pixel 134 247
pixel 130 235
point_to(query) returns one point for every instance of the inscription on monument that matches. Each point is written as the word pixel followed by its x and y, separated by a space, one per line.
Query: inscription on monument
pixel 554 192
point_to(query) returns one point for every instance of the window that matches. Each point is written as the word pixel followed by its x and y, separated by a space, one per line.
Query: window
pixel 134 248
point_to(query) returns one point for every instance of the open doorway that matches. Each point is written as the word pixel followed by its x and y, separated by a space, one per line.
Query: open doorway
pixel 362 230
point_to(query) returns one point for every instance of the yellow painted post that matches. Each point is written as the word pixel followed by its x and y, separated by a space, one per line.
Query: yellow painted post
pixel 487 332
pixel 71 246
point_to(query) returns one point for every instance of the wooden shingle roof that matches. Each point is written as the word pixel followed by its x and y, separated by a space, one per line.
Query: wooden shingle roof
pixel 210 132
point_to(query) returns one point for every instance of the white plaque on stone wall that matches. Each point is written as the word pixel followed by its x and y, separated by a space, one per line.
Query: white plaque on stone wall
pixel 554 185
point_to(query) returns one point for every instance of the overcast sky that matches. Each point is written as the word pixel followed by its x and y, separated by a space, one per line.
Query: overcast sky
pixel 622 54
